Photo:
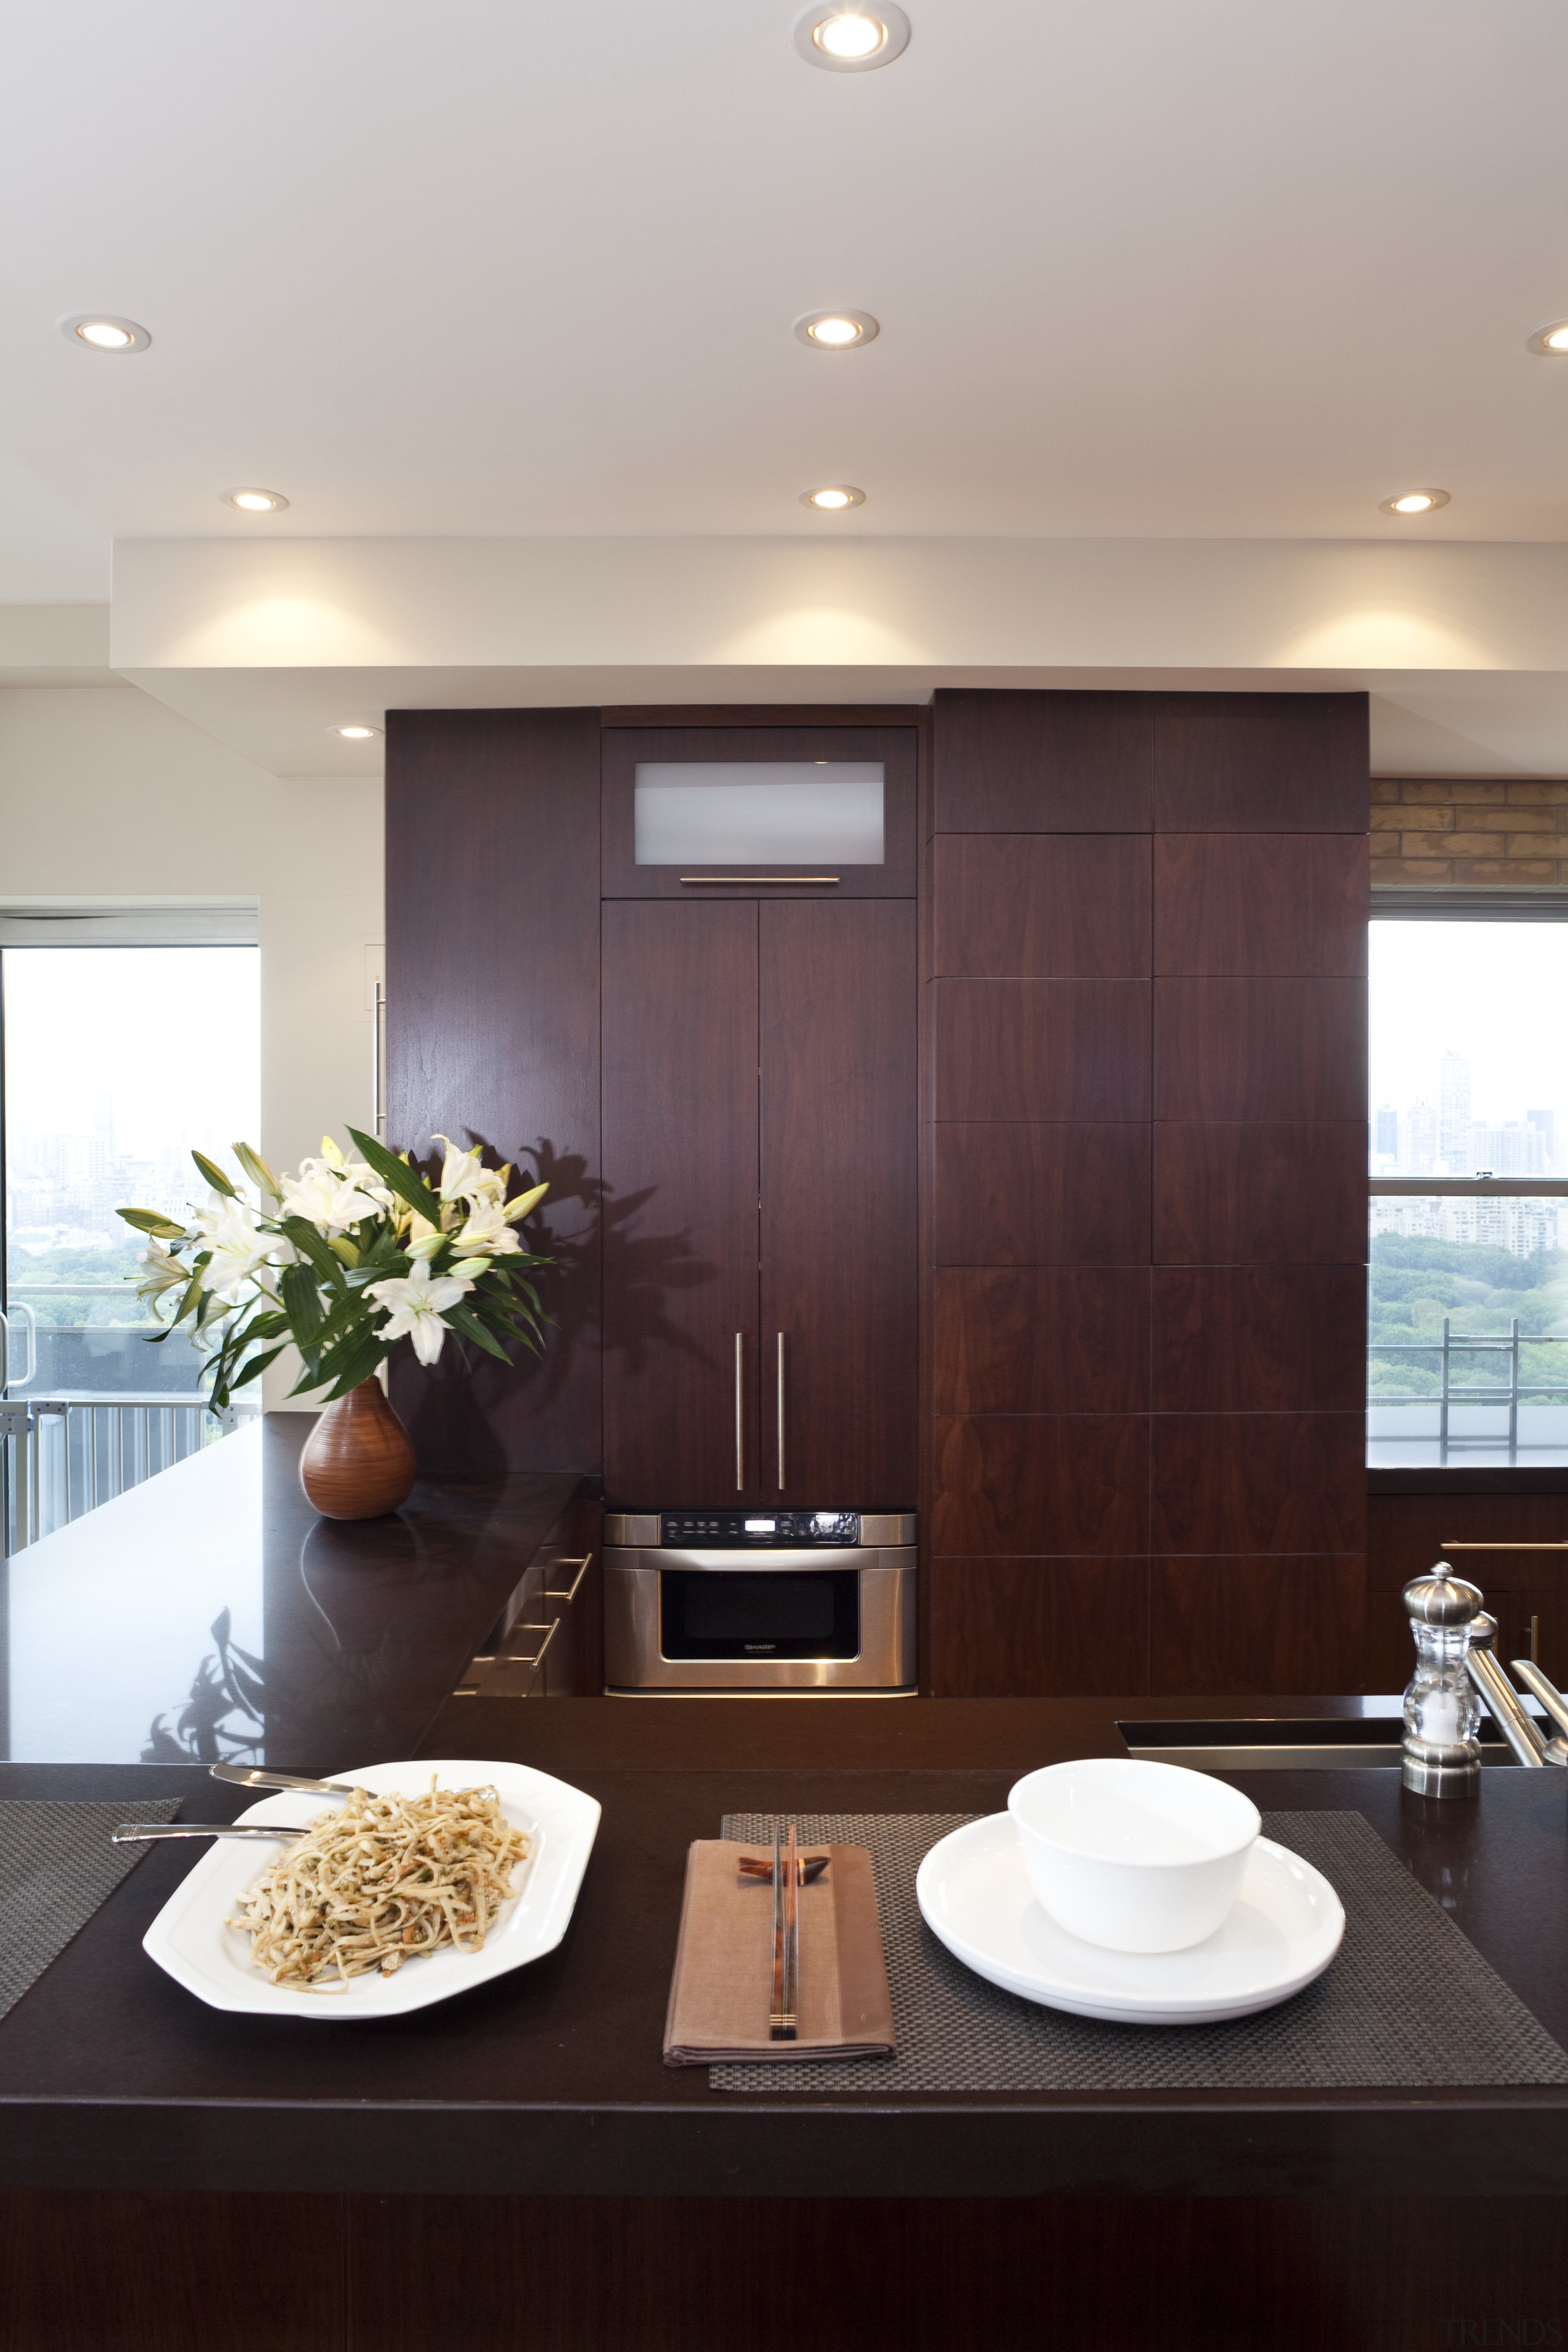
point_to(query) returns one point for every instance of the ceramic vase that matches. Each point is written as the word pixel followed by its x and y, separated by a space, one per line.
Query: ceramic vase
pixel 358 1462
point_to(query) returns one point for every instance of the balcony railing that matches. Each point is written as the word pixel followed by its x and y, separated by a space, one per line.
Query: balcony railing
pixel 1505 1390
pixel 61 1456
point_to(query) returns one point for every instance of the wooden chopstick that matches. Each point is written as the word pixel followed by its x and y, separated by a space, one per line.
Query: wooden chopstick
pixel 792 1935
pixel 778 2028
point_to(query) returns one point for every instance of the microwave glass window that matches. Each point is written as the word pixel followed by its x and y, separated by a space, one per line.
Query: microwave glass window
pixel 825 813
pixel 709 1614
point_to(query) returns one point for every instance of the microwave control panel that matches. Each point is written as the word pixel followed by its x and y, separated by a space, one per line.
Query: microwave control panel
pixel 755 1530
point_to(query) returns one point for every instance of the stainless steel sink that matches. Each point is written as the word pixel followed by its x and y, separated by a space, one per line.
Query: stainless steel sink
pixel 1286 1744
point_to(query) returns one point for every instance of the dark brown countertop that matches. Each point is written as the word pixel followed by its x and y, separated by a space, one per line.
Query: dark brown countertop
pixel 549 2080
pixel 209 1613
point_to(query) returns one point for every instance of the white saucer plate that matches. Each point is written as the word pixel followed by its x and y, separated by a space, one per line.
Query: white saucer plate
pixel 1285 1928
pixel 190 1941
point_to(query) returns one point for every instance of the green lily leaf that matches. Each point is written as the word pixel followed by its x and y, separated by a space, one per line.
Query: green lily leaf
pixel 310 1246
pixel 344 1368
pixel 301 1303
pixel 462 1318
pixel 399 1177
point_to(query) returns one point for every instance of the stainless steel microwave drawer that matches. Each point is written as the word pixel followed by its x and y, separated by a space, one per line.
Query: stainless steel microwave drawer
pixel 639 1530
pixel 807 1619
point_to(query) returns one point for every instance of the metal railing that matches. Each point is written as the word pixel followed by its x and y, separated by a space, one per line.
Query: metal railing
pixel 1508 1391
pixel 62 1455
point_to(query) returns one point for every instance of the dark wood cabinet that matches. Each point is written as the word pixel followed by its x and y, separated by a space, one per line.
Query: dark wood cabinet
pixel 680 1239
pixel 492 1035
pixel 1146 1042
pixel 1026 1628
pixel 836 1084
pixel 1407 1531
pixel 759 1155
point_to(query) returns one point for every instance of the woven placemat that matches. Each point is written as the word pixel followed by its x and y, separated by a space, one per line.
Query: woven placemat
pixel 1408 2001
pixel 56 1867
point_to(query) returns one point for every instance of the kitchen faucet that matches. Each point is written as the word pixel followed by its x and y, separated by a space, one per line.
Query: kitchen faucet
pixel 1514 1722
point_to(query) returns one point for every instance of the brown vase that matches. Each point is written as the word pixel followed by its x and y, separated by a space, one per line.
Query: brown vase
pixel 358 1463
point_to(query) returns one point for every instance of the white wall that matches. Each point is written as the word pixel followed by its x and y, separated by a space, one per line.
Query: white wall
pixel 105 793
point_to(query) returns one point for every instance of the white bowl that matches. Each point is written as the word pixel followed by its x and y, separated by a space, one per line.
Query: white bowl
pixel 1132 1856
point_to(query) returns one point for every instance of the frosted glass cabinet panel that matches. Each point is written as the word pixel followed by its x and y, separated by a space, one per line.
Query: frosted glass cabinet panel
pixel 755 814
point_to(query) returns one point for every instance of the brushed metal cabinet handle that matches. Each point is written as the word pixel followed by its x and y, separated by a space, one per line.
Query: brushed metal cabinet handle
pixel 780 1412
pixel 549 1633
pixel 739 1412
pixel 552 1592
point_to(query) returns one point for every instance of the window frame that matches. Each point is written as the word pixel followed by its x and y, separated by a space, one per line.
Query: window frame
pixel 1433 903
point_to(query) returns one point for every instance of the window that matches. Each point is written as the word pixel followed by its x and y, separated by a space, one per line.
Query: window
pixel 116 1059
pixel 1467 1353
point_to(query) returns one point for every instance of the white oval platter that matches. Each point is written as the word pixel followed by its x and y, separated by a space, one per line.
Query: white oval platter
pixel 189 1941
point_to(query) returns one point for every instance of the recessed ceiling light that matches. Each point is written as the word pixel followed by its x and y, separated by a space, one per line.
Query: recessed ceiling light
pixel 1413 502
pixel 836 331
pixel 833 498
pixel 1550 342
pixel 100 332
pixel 354 733
pixel 845 37
pixel 256 501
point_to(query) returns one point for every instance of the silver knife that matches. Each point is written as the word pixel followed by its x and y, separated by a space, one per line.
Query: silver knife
pixel 248 1776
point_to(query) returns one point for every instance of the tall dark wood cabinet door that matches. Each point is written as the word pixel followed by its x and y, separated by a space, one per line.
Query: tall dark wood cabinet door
pixel 680 1205
pixel 838 1145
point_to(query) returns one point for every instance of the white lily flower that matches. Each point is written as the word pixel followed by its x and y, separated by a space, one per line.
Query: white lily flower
pixel 425 1244
pixel 462 1177
pixel 418 1305
pixel 327 1197
pixel 487 1230
pixel 365 1181
pixel 523 1202
pixel 235 1247
pixel 160 1272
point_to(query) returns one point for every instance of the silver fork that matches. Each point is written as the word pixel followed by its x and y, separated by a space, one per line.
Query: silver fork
pixel 143 1833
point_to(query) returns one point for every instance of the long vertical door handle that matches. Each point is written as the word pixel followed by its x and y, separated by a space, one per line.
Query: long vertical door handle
pixel 378 1063
pixel 739 1412
pixel 780 1412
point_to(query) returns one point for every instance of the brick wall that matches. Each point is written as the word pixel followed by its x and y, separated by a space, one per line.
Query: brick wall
pixel 1460 831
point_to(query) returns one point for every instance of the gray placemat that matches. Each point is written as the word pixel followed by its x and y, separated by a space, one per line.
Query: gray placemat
pixel 56 1867
pixel 1371 2021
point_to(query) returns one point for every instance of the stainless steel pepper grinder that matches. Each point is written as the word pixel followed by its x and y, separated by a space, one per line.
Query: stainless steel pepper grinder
pixel 1441 1754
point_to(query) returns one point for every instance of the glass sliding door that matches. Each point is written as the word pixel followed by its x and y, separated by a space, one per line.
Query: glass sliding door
pixel 116 1059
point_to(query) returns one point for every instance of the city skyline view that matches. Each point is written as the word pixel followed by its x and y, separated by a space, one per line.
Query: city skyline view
pixel 117 1061
pixel 1468 1048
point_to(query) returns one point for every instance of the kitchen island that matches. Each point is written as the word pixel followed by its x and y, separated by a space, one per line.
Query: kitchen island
pixel 517 2167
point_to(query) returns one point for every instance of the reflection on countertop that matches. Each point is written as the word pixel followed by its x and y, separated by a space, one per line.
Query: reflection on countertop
pixel 210 1613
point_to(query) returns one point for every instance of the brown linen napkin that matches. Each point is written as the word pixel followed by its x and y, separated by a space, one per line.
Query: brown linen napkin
pixel 721 1991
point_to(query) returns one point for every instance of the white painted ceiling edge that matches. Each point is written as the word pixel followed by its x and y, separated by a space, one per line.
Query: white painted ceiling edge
pixel 1464 646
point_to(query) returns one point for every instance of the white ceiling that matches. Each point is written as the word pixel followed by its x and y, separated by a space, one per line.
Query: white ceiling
pixel 1215 271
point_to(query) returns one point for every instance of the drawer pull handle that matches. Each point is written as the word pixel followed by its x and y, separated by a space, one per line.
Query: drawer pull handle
pixel 780 1412
pixel 549 1633
pixel 739 1412
pixel 550 1593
